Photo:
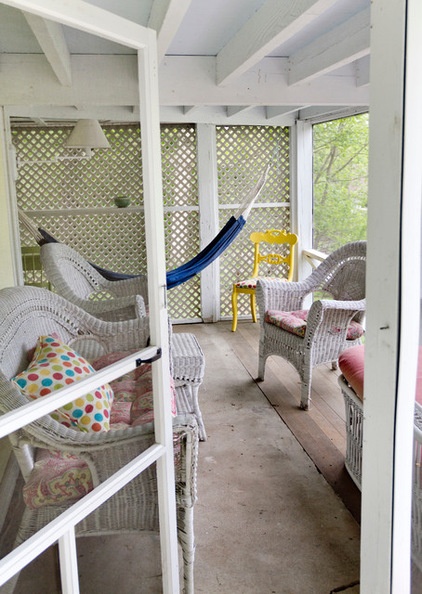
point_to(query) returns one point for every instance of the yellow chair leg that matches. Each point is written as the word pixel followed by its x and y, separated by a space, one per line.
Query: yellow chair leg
pixel 234 308
pixel 253 307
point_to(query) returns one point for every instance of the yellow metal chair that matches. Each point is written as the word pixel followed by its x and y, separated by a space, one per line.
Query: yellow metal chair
pixel 279 260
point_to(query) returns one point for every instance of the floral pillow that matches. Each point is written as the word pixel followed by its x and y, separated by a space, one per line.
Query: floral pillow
pixel 57 478
pixel 133 392
pixel 55 365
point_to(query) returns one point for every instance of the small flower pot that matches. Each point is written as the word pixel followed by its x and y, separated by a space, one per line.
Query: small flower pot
pixel 122 201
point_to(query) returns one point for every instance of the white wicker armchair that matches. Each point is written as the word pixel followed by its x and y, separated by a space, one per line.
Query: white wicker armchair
pixel 27 313
pixel 80 283
pixel 77 280
pixel 309 338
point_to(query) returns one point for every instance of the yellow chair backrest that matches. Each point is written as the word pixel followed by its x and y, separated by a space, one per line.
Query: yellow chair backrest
pixel 274 237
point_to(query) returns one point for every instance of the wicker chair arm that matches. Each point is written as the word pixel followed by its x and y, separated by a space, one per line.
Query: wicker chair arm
pixel 111 310
pixel 112 335
pixel 127 287
pixel 280 295
pixel 332 318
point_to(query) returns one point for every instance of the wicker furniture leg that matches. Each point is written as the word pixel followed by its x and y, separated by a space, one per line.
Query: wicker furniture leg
pixel 188 362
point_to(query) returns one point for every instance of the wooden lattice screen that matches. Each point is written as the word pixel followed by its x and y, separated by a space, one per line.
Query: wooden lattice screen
pixel 242 154
pixel 73 199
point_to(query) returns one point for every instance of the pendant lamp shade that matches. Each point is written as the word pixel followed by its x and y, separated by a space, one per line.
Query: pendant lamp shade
pixel 87 134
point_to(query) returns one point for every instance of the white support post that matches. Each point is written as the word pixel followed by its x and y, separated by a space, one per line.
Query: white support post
pixel 301 198
pixel 393 292
pixel 209 221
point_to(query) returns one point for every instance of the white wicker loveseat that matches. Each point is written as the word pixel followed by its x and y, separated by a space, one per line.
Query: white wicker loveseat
pixel 307 338
pixel 79 282
pixel 26 313
pixel 351 382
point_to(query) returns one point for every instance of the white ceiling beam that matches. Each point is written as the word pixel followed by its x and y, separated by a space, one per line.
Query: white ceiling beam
pixel 183 81
pixel 272 112
pixel 171 114
pixel 342 45
pixel 191 80
pixel 52 42
pixel 329 112
pixel 165 18
pixel 273 24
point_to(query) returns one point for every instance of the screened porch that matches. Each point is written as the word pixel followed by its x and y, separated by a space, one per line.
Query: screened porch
pixel 196 99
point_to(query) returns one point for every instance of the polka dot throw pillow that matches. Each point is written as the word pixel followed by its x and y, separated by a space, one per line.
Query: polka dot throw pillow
pixel 55 365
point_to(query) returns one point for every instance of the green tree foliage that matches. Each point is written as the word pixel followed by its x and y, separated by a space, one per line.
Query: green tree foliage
pixel 340 182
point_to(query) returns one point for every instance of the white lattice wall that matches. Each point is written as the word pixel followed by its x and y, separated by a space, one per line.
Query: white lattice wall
pixel 73 200
pixel 242 154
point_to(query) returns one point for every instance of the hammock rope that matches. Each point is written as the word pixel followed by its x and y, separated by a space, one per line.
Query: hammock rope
pixel 186 271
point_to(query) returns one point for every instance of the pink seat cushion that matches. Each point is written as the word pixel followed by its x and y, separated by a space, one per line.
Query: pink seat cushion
pixel 295 323
pixel 58 477
pixel 351 363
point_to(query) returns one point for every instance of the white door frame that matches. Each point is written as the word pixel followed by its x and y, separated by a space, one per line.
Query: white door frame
pixel 95 21
pixel 393 293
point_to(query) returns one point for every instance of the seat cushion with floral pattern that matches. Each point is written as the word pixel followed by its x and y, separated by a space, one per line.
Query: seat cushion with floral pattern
pixel 60 477
pixel 295 323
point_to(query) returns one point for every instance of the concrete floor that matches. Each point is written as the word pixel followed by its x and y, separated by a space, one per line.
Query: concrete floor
pixel 266 521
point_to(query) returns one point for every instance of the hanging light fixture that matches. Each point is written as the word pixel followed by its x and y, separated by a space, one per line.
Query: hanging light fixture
pixel 87 135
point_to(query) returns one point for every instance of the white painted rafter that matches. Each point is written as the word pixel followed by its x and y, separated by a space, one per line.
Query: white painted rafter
pixel 52 42
pixel 233 110
pixel 272 112
pixel 165 18
pixel 189 108
pixel 342 45
pixel 272 25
